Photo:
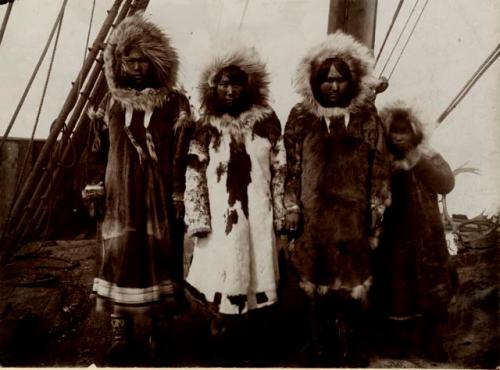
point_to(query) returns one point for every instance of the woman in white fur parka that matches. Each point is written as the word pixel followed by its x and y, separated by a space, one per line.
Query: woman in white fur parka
pixel 234 189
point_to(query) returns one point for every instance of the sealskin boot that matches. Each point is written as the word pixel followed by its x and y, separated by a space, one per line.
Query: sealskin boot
pixel 120 352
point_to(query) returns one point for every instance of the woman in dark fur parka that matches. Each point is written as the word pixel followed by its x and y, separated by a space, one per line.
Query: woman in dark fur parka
pixel 336 191
pixel 413 280
pixel 148 121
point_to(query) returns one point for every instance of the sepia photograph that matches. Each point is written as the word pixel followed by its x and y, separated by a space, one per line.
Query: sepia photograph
pixel 250 183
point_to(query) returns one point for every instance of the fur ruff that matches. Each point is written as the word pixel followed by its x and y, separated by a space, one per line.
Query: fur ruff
pixel 418 127
pixel 248 60
pixel 137 31
pixel 236 127
pixel 360 62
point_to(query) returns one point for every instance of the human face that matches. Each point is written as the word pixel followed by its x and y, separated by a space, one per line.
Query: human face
pixel 401 136
pixel 135 67
pixel 334 88
pixel 228 91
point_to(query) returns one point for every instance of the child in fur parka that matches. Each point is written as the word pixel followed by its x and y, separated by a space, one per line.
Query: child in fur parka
pixel 414 281
pixel 336 192
pixel 234 195
pixel 148 123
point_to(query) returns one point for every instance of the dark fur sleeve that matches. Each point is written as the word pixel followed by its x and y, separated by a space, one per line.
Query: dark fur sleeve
pixel 435 173
pixel 293 139
pixel 98 142
pixel 183 131
pixel 380 194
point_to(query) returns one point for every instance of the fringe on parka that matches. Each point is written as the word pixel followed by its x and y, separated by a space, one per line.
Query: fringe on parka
pixel 337 175
pixel 413 274
pixel 234 194
pixel 142 242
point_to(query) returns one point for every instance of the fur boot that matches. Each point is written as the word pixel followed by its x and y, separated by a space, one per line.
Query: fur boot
pixel 121 342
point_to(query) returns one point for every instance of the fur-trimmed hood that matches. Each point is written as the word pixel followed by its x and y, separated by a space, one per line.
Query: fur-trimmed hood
pixel 399 108
pixel 139 32
pixel 248 60
pixel 358 58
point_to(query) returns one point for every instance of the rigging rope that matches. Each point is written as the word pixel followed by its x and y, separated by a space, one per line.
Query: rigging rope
pixel 33 75
pixel 394 17
pixel 399 38
pixel 5 21
pixel 80 81
pixel 470 83
pixel 37 119
pixel 243 15
pixel 407 40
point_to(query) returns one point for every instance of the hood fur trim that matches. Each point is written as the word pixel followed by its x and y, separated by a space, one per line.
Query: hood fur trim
pixel 418 127
pixel 136 30
pixel 360 61
pixel 236 127
pixel 248 60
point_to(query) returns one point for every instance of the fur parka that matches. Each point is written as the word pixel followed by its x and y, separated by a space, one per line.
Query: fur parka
pixel 148 132
pixel 413 274
pixel 234 194
pixel 337 173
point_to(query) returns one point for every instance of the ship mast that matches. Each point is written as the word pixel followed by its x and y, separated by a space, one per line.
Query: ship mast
pixel 355 17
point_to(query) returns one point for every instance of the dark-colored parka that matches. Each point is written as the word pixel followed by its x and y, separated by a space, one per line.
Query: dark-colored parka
pixel 413 274
pixel 337 175
pixel 142 242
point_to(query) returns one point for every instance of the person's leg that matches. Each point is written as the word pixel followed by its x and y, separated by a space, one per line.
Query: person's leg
pixel 121 337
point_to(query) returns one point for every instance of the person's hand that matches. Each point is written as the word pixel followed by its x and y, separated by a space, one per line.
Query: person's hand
pixel 92 197
pixel 292 220
pixel 179 210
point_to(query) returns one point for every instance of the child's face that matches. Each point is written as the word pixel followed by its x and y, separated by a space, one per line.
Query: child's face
pixel 401 136
pixel 135 67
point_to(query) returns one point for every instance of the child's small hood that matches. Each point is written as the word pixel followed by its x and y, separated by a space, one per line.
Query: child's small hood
pixel 137 31
pixel 248 60
pixel 419 127
pixel 358 58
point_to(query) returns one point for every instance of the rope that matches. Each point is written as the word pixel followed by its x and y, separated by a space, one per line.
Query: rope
pixel 470 83
pixel 37 119
pixel 80 81
pixel 32 78
pixel 394 17
pixel 243 15
pixel 399 38
pixel 42 99
pixel 407 40
pixel 5 21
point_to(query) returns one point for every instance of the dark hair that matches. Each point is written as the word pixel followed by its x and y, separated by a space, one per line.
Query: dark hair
pixel 320 73
pixel 233 73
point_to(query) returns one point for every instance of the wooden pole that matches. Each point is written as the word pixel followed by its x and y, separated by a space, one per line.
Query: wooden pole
pixel 5 21
pixel 52 178
pixel 49 182
pixel 355 17
pixel 33 75
pixel 29 187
